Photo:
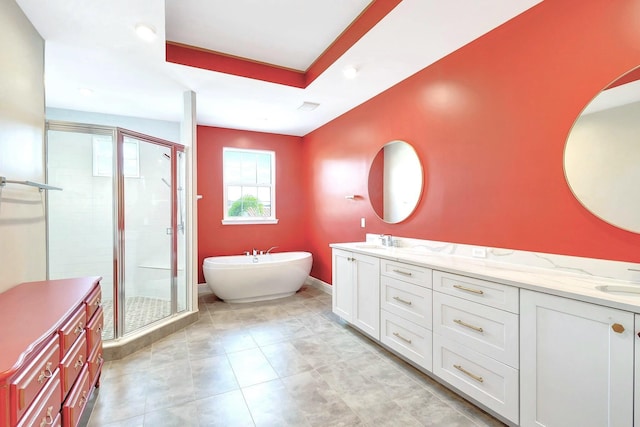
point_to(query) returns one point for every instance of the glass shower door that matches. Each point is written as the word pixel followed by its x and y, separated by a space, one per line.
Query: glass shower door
pixel 147 233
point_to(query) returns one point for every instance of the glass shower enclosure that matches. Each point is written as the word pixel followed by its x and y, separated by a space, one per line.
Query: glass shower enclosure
pixel 121 215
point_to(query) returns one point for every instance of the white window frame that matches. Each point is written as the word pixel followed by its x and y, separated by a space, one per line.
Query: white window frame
pixel 226 220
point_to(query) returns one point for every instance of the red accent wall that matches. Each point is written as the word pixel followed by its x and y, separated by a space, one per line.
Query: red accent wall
pixel 489 123
pixel 217 239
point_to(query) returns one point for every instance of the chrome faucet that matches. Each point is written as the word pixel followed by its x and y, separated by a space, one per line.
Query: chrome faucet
pixel 271 248
pixel 386 240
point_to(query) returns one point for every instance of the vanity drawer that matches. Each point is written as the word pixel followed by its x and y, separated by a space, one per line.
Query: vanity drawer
pixel 34 378
pixel 45 410
pixel 73 362
pixel 407 338
pixel 409 301
pixel 94 331
pixel 482 291
pixel 484 329
pixel 409 273
pixel 482 378
pixel 93 301
pixel 72 329
pixel 76 400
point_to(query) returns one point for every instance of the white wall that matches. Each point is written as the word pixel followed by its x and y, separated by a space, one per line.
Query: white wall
pixel 22 215
pixel 169 131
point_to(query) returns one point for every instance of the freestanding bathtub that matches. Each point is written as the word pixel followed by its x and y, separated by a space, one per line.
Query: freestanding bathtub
pixel 242 278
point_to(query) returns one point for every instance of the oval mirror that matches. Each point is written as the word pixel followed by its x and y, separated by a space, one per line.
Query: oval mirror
pixel 602 154
pixel 395 181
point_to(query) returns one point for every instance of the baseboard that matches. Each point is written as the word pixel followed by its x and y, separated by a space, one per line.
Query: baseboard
pixel 318 284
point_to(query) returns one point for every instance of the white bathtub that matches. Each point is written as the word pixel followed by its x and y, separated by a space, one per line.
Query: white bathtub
pixel 237 278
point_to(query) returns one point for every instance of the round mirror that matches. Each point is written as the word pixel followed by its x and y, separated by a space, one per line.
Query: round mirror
pixel 395 181
pixel 602 154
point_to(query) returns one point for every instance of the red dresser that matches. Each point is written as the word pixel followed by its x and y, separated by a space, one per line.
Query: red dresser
pixel 50 351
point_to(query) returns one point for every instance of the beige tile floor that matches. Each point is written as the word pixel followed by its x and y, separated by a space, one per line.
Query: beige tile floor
pixel 287 362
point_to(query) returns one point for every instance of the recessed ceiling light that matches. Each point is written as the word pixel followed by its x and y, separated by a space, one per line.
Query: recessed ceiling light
pixel 146 32
pixel 85 91
pixel 308 106
pixel 350 72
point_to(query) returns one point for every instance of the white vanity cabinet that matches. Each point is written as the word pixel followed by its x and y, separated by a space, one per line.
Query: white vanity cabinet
pixel 356 290
pixel 475 340
pixel 406 307
pixel 576 363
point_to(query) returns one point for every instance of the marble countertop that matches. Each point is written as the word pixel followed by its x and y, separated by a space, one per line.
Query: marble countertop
pixel 582 287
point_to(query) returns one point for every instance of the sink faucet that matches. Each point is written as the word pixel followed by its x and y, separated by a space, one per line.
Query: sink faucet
pixel 271 248
pixel 386 240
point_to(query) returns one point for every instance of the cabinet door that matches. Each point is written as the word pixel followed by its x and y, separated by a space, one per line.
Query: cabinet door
pixel 342 284
pixel 575 370
pixel 366 308
pixel 636 418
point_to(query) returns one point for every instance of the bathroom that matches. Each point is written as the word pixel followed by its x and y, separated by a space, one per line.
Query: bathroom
pixel 489 123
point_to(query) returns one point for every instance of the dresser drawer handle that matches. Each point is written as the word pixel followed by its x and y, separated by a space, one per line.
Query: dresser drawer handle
pixel 466 325
pixel 78 328
pixel 48 418
pixel 79 362
pixel 45 373
pixel 98 302
pixel 404 273
pixel 464 371
pixel 474 291
pixel 617 328
pixel 407 340
pixel 83 399
pixel 402 300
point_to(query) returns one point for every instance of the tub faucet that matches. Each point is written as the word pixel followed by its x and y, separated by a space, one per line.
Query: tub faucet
pixel 271 248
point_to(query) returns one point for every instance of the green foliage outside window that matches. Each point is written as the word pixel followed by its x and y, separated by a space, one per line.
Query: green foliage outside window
pixel 246 206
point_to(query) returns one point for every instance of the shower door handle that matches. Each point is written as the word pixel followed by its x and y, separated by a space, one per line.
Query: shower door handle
pixel 169 231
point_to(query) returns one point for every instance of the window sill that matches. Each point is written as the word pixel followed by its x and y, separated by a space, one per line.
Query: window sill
pixel 249 221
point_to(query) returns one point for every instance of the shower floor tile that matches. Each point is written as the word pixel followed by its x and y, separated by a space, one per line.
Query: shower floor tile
pixel 287 362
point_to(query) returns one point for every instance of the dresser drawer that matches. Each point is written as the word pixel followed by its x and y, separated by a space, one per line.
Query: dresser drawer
pixel 72 329
pixel 77 400
pixel 482 378
pixel 407 338
pixel 484 292
pixel 93 301
pixel 94 331
pixel 409 273
pixel 484 329
pixel 45 410
pixel 95 361
pixel 34 378
pixel 73 363
pixel 409 301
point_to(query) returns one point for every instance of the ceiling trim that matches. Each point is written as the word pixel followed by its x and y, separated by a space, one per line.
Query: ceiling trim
pixel 215 61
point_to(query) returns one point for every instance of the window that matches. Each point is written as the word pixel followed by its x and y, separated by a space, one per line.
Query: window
pixel 249 186
pixel 103 157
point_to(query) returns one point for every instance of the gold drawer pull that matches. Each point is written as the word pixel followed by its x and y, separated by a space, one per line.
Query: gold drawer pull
pixel 402 300
pixel 79 362
pixel 83 399
pixel 464 371
pixel 404 273
pixel 407 340
pixel 78 328
pixel 45 373
pixel 48 418
pixel 466 325
pixel 617 328
pixel 474 291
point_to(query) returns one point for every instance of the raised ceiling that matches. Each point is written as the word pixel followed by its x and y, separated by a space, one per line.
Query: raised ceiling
pixel 92 45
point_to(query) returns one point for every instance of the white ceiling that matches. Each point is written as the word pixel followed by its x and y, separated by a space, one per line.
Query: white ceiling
pixel 92 44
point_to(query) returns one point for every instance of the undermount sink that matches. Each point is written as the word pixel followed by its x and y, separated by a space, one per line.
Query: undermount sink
pixel 370 246
pixel 622 290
